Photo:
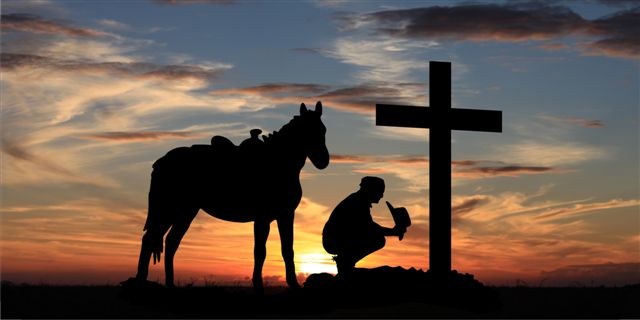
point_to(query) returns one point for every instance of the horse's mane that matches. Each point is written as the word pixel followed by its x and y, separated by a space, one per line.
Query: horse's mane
pixel 285 132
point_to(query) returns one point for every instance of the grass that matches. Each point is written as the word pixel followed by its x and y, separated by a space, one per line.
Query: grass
pixel 211 301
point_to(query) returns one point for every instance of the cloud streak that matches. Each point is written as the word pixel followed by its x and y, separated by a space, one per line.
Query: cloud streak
pixel 501 171
pixel 136 70
pixel 276 88
pixel 359 99
pixel 471 169
pixel 130 136
pixel 579 208
pixel 18 152
pixel 576 121
pixel 36 24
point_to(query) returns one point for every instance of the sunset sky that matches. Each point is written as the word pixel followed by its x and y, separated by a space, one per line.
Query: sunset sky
pixel 93 92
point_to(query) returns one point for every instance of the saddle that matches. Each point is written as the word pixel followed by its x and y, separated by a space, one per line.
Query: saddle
pixel 221 148
pixel 251 147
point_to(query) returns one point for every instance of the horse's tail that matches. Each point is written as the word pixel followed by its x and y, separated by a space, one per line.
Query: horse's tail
pixel 167 173
pixel 154 236
pixel 157 218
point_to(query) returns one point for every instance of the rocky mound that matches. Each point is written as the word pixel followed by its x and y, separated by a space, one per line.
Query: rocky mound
pixel 387 285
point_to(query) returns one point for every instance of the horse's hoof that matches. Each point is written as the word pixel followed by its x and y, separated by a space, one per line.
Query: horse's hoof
pixel 258 291
pixel 294 287
pixel 135 283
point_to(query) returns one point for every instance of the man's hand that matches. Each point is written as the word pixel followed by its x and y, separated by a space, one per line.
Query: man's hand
pixel 399 232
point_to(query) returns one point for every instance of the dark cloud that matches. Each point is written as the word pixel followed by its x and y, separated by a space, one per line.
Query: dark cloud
pixel 480 22
pixel 364 159
pixel 135 136
pixel 578 121
pixel 346 158
pixel 469 168
pixel 509 170
pixel 616 35
pixel 35 24
pixel 360 91
pixel 277 88
pixel 464 163
pixel 620 32
pixel 12 61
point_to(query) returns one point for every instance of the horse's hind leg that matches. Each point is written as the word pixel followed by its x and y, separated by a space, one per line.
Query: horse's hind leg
pixel 172 242
pixel 260 234
pixel 285 227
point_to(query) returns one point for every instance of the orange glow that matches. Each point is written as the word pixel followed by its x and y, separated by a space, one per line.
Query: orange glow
pixel 317 263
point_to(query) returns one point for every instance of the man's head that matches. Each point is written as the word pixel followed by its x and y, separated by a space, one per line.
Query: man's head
pixel 373 188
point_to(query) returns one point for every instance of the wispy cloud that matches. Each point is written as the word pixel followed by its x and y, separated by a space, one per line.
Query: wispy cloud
pixel 580 208
pixel 358 99
pixel 505 229
pixel 19 152
pixel 413 169
pixel 139 70
pixel 544 153
pixel 140 136
pixel 399 55
pixel 35 24
pixel 574 120
pixel 62 88
pixel 113 24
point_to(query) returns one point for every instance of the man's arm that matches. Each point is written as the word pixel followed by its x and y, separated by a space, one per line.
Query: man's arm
pixel 392 231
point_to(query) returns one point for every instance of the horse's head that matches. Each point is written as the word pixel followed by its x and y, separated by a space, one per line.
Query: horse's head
pixel 314 135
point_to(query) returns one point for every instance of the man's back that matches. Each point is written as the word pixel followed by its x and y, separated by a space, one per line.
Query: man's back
pixel 349 219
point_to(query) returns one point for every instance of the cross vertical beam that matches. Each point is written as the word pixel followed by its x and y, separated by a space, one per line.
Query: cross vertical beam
pixel 440 167
pixel 440 118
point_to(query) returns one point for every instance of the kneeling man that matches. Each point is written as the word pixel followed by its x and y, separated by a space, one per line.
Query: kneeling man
pixel 350 233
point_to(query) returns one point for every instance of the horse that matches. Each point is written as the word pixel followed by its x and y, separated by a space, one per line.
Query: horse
pixel 258 181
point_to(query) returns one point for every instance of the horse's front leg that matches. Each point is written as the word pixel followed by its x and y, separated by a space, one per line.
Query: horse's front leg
pixel 260 235
pixel 285 227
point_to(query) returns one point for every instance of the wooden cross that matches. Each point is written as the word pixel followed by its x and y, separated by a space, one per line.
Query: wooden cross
pixel 440 118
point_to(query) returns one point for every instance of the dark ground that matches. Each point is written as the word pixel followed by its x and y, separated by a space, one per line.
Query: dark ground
pixel 383 292
pixel 42 301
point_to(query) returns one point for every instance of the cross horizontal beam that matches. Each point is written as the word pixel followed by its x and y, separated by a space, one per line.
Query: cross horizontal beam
pixel 425 117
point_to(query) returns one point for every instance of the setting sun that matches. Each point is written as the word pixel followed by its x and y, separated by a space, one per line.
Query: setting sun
pixel 317 263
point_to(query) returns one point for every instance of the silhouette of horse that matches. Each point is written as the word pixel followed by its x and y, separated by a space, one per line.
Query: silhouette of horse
pixel 258 181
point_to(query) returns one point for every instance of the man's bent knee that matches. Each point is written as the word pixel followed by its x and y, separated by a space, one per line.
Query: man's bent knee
pixel 379 242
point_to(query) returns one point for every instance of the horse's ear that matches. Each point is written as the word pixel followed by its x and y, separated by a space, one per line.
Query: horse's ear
pixel 319 108
pixel 303 108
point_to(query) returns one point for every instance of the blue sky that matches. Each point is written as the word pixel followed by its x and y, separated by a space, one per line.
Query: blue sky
pixel 94 91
